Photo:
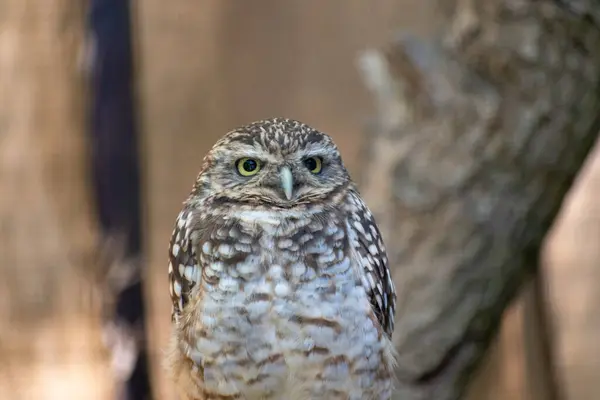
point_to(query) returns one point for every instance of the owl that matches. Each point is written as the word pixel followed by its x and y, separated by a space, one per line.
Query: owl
pixel 278 275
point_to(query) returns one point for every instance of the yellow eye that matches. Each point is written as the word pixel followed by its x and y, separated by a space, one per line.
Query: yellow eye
pixel 248 166
pixel 314 164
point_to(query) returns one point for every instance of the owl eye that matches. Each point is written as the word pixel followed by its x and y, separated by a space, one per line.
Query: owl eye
pixel 248 166
pixel 314 164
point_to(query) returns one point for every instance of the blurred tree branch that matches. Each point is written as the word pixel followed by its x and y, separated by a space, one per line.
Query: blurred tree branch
pixel 479 136
pixel 50 335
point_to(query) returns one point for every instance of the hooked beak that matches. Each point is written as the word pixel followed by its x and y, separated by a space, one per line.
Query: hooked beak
pixel 287 181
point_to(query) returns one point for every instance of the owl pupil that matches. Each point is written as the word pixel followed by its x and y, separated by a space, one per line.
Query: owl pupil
pixel 249 165
pixel 310 163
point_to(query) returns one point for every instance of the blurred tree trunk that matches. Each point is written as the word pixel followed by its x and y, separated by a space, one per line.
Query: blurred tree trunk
pixel 50 343
pixel 573 276
pixel 478 138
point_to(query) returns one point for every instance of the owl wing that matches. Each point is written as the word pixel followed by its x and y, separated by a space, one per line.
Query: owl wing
pixel 184 266
pixel 367 244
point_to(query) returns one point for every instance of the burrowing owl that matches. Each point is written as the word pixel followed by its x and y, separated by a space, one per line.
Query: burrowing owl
pixel 278 275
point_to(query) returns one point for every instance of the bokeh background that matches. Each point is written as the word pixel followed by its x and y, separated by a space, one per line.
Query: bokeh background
pixel 83 128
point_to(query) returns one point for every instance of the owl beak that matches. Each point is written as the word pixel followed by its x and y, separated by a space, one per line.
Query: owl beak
pixel 287 181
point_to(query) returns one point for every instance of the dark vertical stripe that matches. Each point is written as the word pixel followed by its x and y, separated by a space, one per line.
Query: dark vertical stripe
pixel 114 148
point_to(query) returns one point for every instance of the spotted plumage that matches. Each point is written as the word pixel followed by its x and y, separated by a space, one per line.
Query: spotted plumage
pixel 278 275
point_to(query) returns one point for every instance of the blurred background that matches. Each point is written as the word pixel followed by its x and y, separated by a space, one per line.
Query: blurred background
pixel 105 115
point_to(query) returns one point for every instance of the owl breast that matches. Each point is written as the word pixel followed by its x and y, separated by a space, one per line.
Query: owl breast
pixel 281 312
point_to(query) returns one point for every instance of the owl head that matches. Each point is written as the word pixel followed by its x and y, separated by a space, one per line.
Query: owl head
pixel 275 162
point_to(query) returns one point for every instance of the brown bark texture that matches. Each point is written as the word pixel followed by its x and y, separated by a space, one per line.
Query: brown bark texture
pixel 478 137
pixel 50 343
